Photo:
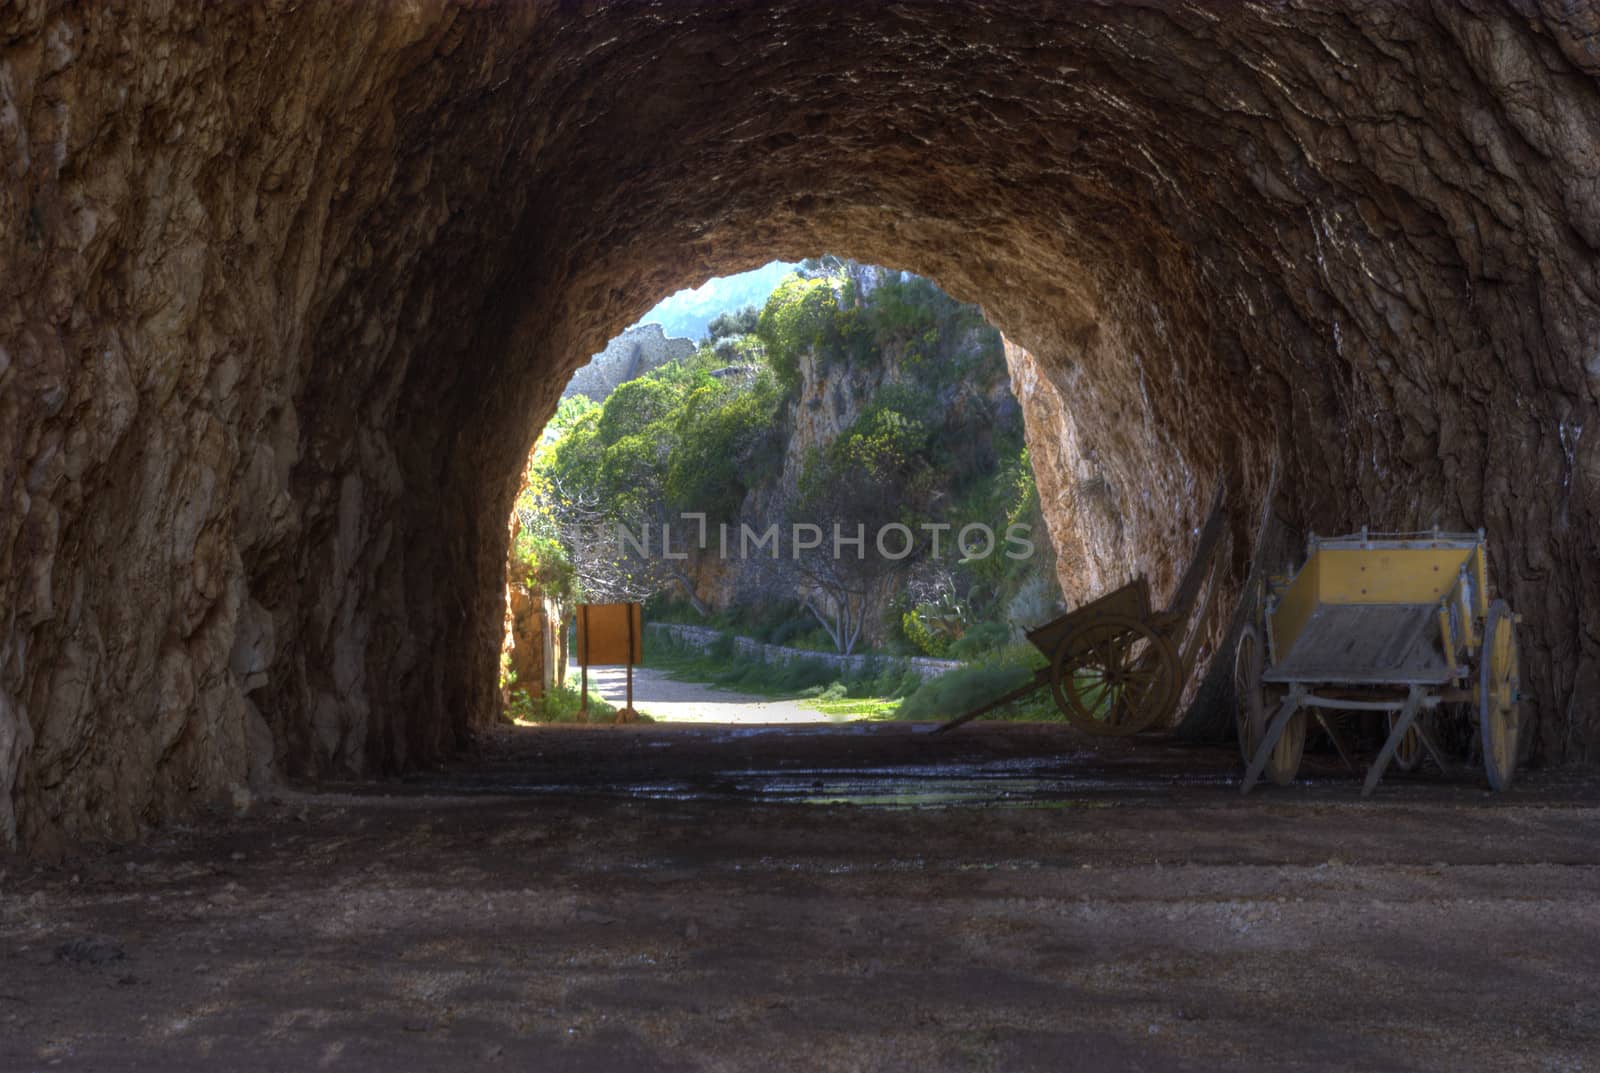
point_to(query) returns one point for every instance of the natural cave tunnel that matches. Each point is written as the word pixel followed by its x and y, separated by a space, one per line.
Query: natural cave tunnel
pixel 289 288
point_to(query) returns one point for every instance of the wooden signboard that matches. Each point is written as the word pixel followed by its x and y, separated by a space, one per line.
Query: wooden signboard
pixel 609 634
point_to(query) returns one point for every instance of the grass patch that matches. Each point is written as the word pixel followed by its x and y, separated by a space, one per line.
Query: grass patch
pixel 723 665
pixel 961 690
pixel 872 708
pixel 871 691
pixel 880 689
pixel 1000 671
pixel 560 705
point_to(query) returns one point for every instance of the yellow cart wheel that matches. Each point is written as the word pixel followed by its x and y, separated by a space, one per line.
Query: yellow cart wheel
pixel 1499 677
pixel 1408 755
pixel 1257 704
pixel 1284 762
pixel 1114 676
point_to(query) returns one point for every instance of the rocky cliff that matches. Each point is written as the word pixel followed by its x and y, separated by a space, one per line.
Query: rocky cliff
pixel 286 290
pixel 833 391
pixel 635 352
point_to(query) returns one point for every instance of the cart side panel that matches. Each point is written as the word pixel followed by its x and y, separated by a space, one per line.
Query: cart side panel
pixel 1130 601
pixel 1480 557
pixel 1294 608
pixel 1388 575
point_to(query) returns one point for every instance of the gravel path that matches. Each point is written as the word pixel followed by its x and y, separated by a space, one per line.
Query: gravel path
pixel 670 701
pixel 659 899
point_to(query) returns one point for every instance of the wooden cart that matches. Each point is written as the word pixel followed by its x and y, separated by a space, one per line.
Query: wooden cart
pixel 1394 624
pixel 1116 666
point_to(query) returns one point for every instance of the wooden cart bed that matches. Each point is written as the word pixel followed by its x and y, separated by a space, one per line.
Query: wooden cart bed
pixel 1366 644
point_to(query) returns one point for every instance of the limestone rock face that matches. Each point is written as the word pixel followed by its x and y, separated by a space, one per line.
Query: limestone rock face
pixel 635 352
pixel 286 290
pixel 533 640
pixel 833 391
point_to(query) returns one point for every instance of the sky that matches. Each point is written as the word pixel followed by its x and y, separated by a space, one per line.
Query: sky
pixel 687 313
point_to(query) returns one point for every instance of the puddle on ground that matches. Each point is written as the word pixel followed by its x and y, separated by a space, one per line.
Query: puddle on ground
pixel 1055 781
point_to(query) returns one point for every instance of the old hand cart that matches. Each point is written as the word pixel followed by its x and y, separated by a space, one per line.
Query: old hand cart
pixel 1117 667
pixel 1393 624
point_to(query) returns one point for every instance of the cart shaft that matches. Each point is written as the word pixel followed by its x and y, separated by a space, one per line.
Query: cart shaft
pixel 1041 679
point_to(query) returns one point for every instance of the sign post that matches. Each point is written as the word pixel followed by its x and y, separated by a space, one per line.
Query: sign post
pixel 609 634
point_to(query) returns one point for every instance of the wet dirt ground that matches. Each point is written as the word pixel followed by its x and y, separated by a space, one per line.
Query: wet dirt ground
pixel 816 898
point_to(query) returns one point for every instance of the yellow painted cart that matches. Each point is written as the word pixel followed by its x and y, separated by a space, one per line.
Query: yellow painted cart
pixel 1397 624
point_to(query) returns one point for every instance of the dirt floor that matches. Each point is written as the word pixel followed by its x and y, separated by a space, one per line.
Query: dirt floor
pixel 826 898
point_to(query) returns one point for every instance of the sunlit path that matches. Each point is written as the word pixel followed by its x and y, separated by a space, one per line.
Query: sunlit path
pixel 669 701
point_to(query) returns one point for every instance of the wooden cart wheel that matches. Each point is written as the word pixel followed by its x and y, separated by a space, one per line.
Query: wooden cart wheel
pixel 1114 676
pixel 1408 754
pixel 1257 704
pixel 1250 711
pixel 1283 764
pixel 1499 715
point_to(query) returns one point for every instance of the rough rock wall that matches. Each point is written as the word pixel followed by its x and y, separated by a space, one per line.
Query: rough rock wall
pixel 635 352
pixel 286 289
pixel 533 632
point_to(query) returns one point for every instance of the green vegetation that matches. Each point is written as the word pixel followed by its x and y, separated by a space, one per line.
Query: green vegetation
pixel 880 681
pixel 931 441
pixel 691 437
pixel 884 688
pixel 689 313
pixel 961 690
pixel 558 705
pixel 545 564
pixel 801 315
pixel 847 708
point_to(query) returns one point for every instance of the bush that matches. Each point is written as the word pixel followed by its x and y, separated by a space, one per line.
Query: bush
pixel 559 704
pixel 800 674
pixel 961 690
pixel 906 683
pixel 920 634
pixel 545 565
pixel 785 633
pixel 833 691
pixel 796 318
pixel 980 640
pixel 519 707
pixel 742 322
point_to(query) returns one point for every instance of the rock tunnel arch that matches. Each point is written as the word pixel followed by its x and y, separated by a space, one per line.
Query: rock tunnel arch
pixel 287 290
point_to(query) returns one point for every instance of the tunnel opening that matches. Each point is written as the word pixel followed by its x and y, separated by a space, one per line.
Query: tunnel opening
pixel 824 495
pixel 274 347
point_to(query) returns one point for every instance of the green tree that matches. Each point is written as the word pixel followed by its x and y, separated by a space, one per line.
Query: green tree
pixel 742 322
pixel 678 441
pixel 799 316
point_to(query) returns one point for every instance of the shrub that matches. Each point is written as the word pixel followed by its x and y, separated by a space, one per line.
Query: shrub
pixel 908 683
pixel 833 691
pixel 742 322
pixel 519 706
pixel 980 640
pixel 784 633
pixel 961 690
pixel 560 705
pixel 800 674
pixel 922 635
pixel 545 565
pixel 796 318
